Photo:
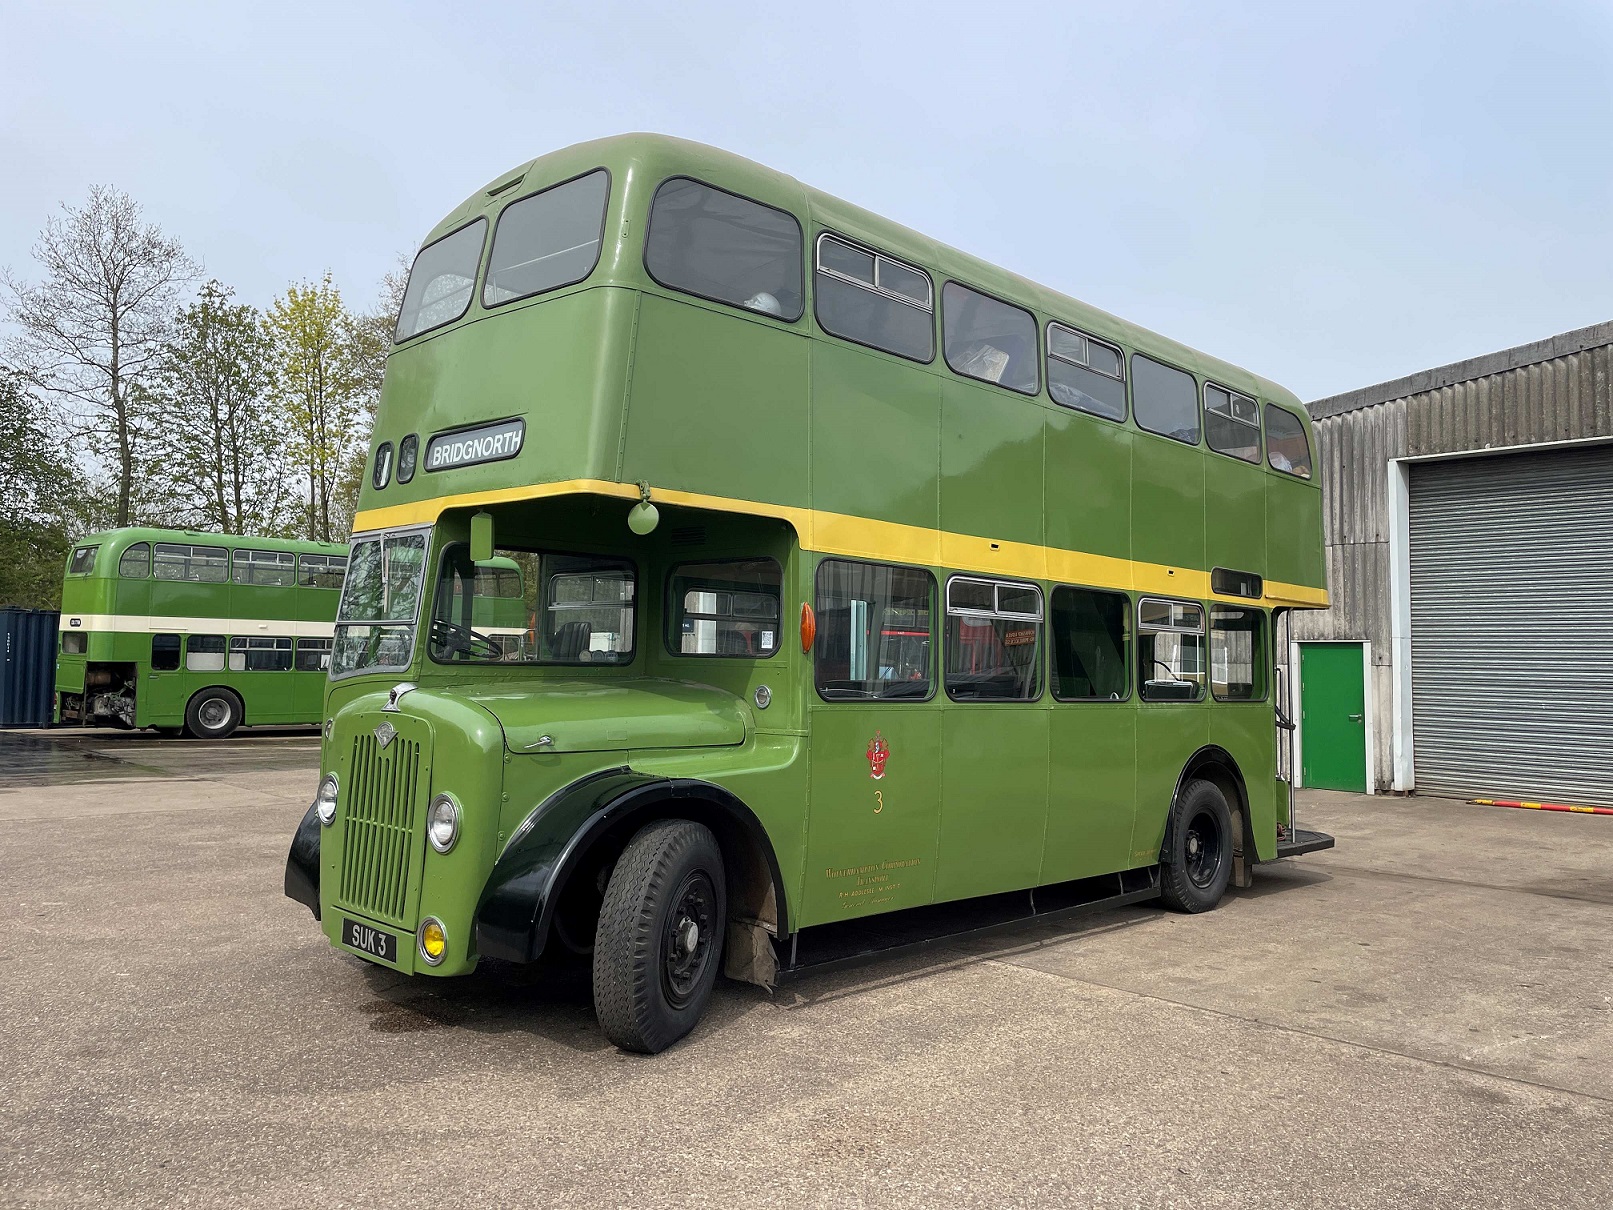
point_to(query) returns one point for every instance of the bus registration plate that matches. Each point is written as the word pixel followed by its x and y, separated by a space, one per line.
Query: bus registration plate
pixel 370 940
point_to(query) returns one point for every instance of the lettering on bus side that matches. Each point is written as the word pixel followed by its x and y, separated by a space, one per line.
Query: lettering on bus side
pixel 467 447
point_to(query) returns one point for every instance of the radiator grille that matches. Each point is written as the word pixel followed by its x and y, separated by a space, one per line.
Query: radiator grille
pixel 379 827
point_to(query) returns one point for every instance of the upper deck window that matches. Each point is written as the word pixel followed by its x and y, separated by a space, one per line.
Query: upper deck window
pixel 1231 423
pixel 1286 446
pixel 874 300
pixel 276 568
pixel 136 562
pixel 988 339
pixel 717 245
pixel 1085 373
pixel 197 564
pixel 548 240
pixel 321 571
pixel 83 561
pixel 441 282
pixel 1166 399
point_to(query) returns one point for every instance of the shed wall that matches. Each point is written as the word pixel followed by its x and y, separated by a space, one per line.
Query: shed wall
pixel 1556 390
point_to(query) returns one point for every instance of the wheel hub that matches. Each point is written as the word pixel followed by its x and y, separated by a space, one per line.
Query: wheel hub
pixel 687 950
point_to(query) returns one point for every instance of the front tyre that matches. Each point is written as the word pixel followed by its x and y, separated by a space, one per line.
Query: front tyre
pixel 213 713
pixel 659 939
pixel 1200 867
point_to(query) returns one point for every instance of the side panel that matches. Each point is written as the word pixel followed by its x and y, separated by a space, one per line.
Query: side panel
pixel 991 463
pixel 993 797
pixel 1167 502
pixel 1294 553
pixel 1088 484
pixel 1167 735
pixel 875 437
pixel 1247 731
pixel 1092 792
pixel 871 842
pixel 719 404
pixel 1234 514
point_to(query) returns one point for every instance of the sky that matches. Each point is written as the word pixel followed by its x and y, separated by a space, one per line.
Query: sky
pixel 1330 195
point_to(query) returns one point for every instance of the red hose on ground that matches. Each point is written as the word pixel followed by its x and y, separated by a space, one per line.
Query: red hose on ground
pixel 1541 806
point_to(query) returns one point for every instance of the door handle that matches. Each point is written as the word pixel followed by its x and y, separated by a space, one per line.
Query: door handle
pixel 1356 718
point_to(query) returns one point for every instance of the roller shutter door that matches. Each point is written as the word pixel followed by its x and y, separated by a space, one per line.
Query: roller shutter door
pixel 1512 626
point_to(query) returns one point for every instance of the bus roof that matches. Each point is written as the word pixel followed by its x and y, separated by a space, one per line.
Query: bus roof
pixel 122 539
pixel 658 155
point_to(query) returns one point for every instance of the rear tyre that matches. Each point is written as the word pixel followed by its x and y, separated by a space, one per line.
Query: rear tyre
pixel 1200 865
pixel 213 714
pixel 659 940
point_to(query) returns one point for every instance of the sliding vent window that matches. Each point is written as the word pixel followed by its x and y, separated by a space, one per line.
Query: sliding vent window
pixel 270 568
pixel 1089 631
pixel 1286 446
pixel 442 281
pixel 874 300
pixel 1170 647
pixel 1231 423
pixel 192 564
pixel 1085 373
pixel 726 609
pixel 1237 655
pixel 875 632
pixel 1165 399
pixel 990 340
pixel 548 240
pixel 993 633
pixel 729 249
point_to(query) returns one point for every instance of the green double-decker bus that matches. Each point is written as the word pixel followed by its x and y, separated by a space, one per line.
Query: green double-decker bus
pixel 196 632
pixel 871 592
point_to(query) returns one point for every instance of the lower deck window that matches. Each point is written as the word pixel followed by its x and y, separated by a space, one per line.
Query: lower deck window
pixel 994 630
pixel 1237 654
pixel 165 653
pixel 1089 632
pixel 1170 647
pixel 254 654
pixel 726 609
pixel 313 655
pixel 204 653
pixel 875 632
pixel 74 642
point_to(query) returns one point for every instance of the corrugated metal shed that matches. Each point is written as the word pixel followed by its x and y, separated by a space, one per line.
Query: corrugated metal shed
pixel 27 666
pixel 1554 390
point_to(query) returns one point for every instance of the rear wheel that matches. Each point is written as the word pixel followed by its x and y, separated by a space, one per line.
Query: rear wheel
pixel 659 939
pixel 1201 849
pixel 213 713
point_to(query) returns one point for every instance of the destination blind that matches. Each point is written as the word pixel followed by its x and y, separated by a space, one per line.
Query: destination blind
pixel 467 447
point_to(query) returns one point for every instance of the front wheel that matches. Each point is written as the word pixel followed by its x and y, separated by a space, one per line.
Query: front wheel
pixel 659 937
pixel 1200 867
pixel 213 713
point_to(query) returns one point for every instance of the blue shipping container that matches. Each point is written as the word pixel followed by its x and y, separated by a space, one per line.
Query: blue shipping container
pixel 27 666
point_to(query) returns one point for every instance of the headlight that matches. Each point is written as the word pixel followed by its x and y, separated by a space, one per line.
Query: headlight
pixel 442 822
pixel 433 941
pixel 325 800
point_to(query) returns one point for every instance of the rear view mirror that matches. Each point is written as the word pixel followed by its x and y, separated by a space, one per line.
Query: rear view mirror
pixel 481 537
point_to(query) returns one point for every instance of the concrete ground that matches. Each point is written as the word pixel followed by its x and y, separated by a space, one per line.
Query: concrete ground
pixel 1421 1017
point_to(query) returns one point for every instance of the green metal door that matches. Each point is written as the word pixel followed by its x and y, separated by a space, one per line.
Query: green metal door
pixel 1332 711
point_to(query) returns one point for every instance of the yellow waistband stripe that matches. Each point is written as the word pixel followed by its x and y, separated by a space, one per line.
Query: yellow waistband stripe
pixel 887 541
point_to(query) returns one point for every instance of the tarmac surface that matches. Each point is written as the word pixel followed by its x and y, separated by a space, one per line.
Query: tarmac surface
pixel 1420 1017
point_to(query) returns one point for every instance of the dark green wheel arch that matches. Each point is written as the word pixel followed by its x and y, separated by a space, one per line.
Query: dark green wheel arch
pixel 594 817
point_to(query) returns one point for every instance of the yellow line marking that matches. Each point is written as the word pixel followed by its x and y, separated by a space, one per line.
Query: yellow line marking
pixel 867 538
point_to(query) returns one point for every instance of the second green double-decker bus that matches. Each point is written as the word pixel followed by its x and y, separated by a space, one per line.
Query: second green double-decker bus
pixel 196 632
pixel 867 590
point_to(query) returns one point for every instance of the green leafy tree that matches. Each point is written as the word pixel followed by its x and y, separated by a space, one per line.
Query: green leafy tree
pixel 321 383
pixel 92 331
pixel 225 461
pixel 49 502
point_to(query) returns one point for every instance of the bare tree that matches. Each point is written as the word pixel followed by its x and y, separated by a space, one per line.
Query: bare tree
pixel 95 326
